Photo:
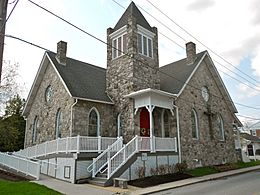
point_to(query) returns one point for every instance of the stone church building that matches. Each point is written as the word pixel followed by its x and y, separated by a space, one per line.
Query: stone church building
pixel 178 112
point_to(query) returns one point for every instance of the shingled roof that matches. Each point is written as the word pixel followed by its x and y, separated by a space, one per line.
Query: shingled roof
pixel 250 137
pixel 133 11
pixel 83 80
pixel 174 75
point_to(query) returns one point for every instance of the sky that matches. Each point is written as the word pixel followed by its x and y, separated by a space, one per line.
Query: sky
pixel 229 30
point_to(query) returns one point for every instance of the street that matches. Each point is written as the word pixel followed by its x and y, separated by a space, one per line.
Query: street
pixel 244 184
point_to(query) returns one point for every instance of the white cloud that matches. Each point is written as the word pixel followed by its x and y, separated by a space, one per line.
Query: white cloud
pixel 245 92
pixel 200 5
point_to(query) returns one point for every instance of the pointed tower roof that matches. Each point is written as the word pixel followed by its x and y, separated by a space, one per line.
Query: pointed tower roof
pixel 132 10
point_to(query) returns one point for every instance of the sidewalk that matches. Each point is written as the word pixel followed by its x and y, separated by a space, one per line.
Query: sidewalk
pixel 83 189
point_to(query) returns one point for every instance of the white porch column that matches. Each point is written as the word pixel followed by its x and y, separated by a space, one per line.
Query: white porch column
pixel 150 110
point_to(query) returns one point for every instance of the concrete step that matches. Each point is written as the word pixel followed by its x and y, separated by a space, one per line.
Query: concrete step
pixel 103 175
pixel 99 181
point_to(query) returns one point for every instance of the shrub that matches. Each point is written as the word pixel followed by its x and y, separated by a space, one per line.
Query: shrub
pixel 181 167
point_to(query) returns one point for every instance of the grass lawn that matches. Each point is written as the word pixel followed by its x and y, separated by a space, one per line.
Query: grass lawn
pixel 24 188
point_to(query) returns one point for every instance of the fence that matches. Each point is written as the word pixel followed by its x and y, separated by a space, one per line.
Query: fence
pixel 25 166
pixel 66 145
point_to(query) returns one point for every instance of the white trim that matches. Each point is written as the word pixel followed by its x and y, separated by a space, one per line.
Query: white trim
pixel 149 90
pixel 57 72
pixel 119 128
pixel 118 32
pixel 191 75
pixel 91 100
pixel 145 32
pixel 222 130
pixel 115 47
pixel 71 116
pixel 196 125
pixel 98 118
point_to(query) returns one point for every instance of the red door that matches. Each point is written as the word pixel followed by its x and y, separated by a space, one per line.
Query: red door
pixel 144 123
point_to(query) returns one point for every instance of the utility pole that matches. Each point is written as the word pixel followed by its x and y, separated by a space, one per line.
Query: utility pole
pixel 3 10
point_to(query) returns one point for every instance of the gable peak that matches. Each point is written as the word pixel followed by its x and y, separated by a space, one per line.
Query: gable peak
pixel 132 11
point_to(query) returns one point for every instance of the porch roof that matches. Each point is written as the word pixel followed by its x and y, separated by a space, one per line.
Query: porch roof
pixel 153 97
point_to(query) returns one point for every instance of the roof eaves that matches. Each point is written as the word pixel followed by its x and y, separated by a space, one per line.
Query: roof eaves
pixel 92 100
pixel 191 75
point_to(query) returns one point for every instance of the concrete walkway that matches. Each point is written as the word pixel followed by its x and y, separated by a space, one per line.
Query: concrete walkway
pixel 83 189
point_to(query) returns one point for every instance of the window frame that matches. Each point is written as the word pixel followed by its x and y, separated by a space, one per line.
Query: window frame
pixel 98 121
pixel 220 126
pixel 196 125
pixel 164 112
pixel 58 123
pixel 116 51
pixel 144 47
pixel 35 129
pixel 119 125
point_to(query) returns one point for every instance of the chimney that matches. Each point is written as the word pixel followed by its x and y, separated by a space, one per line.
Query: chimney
pixel 61 52
pixel 191 53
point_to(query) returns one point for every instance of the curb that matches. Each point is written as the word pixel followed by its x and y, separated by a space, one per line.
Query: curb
pixel 186 182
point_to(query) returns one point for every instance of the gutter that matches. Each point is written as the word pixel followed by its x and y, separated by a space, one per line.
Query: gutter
pixel 71 115
pixel 178 131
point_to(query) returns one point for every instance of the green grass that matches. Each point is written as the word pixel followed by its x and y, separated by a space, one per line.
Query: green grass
pixel 201 171
pixel 24 188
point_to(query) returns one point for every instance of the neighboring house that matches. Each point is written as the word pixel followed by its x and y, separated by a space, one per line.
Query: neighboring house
pixel 250 146
pixel 255 129
pixel 149 106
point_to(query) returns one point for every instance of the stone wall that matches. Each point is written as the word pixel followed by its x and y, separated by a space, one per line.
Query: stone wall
pixel 129 73
pixel 108 118
pixel 46 112
pixel 209 150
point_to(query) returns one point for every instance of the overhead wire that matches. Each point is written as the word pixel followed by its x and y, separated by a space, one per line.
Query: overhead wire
pixel 6 19
pixel 146 64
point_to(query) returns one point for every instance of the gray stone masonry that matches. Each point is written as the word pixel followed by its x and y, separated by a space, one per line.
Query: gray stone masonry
pixel 209 151
pixel 47 111
pixel 129 73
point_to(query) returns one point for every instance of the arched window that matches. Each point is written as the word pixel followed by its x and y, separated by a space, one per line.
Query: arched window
pixel 58 124
pixel 165 124
pixel 35 129
pixel 194 124
pixel 220 127
pixel 93 124
pixel 119 125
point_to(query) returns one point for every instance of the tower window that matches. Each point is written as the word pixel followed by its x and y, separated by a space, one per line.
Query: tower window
pixel 144 45
pixel 119 45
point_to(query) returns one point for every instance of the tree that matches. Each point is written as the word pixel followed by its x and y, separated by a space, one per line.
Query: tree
pixel 12 125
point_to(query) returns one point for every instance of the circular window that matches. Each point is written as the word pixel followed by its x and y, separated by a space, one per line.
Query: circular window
pixel 205 93
pixel 48 94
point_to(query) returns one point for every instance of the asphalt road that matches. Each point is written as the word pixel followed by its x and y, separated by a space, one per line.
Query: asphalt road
pixel 244 184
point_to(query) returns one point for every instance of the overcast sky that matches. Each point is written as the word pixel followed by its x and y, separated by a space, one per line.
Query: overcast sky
pixel 230 29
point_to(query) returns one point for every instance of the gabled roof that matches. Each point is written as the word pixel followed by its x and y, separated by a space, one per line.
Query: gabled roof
pixel 250 137
pixel 173 76
pixel 181 73
pixel 132 10
pixel 81 80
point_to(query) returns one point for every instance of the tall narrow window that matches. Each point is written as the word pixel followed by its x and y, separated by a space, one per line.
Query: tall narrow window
pixel 166 124
pixel 58 124
pixel 124 43
pixel 220 127
pixel 35 129
pixel 119 46
pixel 150 48
pixel 119 125
pixel 93 125
pixel 145 45
pixel 194 124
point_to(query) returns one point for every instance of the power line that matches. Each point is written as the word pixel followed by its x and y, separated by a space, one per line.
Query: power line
pixel 247 117
pixel 200 41
pixel 186 41
pixel 9 14
pixel 146 64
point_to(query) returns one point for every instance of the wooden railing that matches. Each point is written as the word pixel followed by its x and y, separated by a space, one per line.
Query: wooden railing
pixel 139 144
pixel 23 165
pixel 67 145
pixel 100 162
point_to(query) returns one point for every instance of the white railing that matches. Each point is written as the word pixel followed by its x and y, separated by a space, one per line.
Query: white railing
pixel 25 166
pixel 101 161
pixel 138 144
pixel 67 145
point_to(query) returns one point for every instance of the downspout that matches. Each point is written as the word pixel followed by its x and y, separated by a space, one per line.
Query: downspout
pixel 71 115
pixel 25 132
pixel 178 131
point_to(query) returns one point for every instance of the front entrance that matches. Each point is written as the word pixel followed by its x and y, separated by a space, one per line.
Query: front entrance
pixel 144 123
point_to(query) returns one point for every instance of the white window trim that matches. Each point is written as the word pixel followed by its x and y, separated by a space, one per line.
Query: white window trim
pixel 162 119
pixel 118 33
pixel 196 125
pixel 145 32
pixel 58 120
pixel 117 50
pixel 147 45
pixel 98 120
pixel 220 119
pixel 35 129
